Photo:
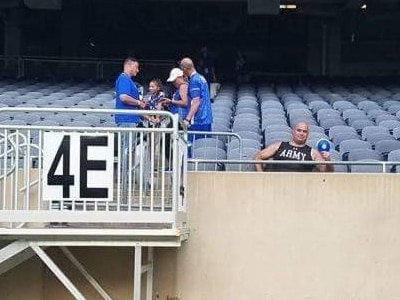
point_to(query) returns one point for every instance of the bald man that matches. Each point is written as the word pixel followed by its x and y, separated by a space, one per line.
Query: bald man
pixel 295 150
pixel 199 116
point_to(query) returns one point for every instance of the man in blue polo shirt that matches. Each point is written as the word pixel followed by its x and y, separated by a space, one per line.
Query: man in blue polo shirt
pixel 127 97
pixel 127 94
pixel 199 117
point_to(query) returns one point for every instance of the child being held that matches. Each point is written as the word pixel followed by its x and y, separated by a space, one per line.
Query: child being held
pixel 154 101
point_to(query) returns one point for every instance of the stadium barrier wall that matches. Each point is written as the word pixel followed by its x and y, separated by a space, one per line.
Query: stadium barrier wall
pixel 257 236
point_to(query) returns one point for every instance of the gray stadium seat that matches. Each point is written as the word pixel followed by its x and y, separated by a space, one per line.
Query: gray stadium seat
pixel 46 123
pixel 396 133
pixel 340 137
pixel 13 122
pixel 394 155
pixel 29 118
pixel 4 117
pixel 247 154
pixel 348 145
pixel 390 124
pixel 250 135
pixel 348 113
pixel 272 137
pixel 208 142
pixel 366 168
pixel 368 105
pixel 330 122
pixel 327 113
pixel 335 156
pixel 360 124
pixel 77 124
pixel 246 143
pixel 340 129
pixel 315 128
pixel 343 105
pixel 211 153
pixel 375 138
pixel 277 127
pixel 370 130
pixel 92 119
pixel 315 106
pixel 385 117
pixel 385 146
pixel 360 154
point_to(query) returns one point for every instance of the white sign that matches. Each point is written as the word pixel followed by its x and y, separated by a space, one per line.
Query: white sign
pixel 78 166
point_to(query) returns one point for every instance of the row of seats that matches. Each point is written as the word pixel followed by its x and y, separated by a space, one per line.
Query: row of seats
pixel 58 95
pixel 351 118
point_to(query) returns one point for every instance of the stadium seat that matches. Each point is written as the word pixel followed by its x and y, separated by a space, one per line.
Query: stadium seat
pixel 385 117
pixel 211 153
pixel 394 156
pixel 360 154
pixel 390 124
pixel 272 137
pixel 248 153
pixel 250 135
pixel 208 142
pixel 370 130
pixel 385 146
pixel 375 138
pixel 340 137
pixel 335 156
pixel 29 118
pixel 277 127
pixel 348 145
pixel 368 168
pixel 360 124
pixel 246 143
pixel 343 105
pixel 331 122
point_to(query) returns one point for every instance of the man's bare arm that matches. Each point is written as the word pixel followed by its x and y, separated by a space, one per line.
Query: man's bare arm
pixel 194 106
pixel 132 101
pixel 265 154
pixel 322 156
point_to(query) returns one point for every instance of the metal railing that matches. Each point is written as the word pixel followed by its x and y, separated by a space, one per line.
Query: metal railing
pixel 213 141
pixel 381 166
pixel 91 175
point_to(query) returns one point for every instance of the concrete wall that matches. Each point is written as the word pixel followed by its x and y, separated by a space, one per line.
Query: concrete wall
pixel 257 236
pixel 289 236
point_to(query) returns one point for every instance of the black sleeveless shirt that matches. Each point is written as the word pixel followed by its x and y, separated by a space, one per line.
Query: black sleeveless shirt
pixel 286 151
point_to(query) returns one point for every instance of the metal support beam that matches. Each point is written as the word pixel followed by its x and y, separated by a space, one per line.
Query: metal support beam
pixel 14 254
pixel 149 279
pixel 85 273
pixel 56 270
pixel 12 249
pixel 137 276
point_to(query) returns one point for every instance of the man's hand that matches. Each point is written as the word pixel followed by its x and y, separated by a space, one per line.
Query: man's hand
pixel 141 104
pixel 326 155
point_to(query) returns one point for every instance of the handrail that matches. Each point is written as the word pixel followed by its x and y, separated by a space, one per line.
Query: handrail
pixel 384 164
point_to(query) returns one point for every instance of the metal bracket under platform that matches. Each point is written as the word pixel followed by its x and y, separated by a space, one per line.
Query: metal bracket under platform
pixel 27 242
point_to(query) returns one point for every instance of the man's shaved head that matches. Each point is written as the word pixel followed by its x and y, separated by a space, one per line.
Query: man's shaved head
pixel 187 66
pixel 187 63
pixel 300 133
pixel 301 124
